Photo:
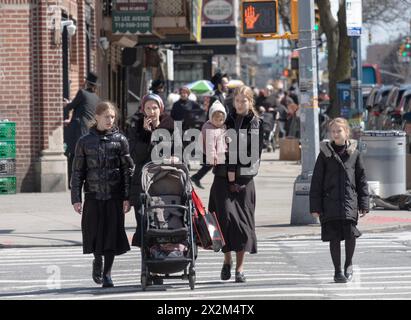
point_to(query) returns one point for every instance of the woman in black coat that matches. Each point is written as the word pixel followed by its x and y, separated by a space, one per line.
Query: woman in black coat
pixel 139 134
pixel 338 192
pixel 103 165
pixel 232 194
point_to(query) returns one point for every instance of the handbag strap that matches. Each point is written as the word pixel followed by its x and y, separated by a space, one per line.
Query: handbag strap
pixel 197 203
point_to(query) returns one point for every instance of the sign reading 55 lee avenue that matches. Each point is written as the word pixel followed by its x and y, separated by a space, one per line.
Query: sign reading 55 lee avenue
pixel 259 17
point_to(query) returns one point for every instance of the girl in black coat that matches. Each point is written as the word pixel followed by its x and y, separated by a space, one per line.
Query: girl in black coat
pixel 338 192
pixel 232 194
pixel 102 164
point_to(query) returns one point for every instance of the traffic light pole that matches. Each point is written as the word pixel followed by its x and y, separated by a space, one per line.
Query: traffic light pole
pixel 300 212
pixel 356 77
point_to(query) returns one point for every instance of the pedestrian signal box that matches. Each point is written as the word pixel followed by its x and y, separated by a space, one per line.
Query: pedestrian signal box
pixel 259 17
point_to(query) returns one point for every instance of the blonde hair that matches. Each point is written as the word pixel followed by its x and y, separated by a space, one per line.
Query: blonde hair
pixel 340 122
pixel 249 94
pixel 102 107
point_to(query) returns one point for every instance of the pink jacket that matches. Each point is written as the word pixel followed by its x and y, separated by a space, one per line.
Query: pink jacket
pixel 214 143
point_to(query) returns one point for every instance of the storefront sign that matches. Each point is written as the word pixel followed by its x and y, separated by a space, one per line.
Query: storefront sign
pixel 218 13
pixel 196 19
pixel 132 16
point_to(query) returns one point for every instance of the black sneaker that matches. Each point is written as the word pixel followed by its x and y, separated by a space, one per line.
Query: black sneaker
pixel 348 273
pixel 97 271
pixel 226 271
pixel 240 277
pixel 339 277
pixel 107 282
pixel 197 182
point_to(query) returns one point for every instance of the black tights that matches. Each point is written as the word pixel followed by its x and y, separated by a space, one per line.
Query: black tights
pixel 335 248
pixel 108 262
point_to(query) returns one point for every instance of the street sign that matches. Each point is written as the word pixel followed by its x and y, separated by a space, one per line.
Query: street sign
pixel 259 17
pixel 354 17
pixel 344 99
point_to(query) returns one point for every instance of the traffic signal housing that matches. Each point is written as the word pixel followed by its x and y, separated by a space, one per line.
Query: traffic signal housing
pixel 259 17
pixel 404 50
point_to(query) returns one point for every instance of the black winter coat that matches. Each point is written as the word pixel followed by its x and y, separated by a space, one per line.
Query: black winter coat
pixel 185 111
pixel 140 149
pixel 338 188
pixel 103 164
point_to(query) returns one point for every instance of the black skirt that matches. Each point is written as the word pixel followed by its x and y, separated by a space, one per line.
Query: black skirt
pixel 102 225
pixel 339 230
pixel 235 213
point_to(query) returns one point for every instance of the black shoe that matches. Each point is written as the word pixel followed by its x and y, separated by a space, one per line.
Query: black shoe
pixel 158 281
pixel 240 277
pixel 107 282
pixel 97 271
pixel 197 182
pixel 226 271
pixel 348 273
pixel 339 277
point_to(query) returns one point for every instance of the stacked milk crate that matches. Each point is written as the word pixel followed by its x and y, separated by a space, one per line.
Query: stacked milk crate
pixel 7 157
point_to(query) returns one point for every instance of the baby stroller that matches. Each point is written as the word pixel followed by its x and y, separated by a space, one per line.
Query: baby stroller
pixel 269 127
pixel 167 238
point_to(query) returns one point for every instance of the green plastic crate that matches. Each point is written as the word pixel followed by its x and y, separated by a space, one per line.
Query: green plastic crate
pixel 7 150
pixel 7 131
pixel 7 185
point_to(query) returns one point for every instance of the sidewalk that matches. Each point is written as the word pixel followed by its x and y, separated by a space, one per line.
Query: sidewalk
pixel 47 219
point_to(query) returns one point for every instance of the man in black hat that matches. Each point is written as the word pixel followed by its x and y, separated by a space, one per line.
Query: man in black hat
pixel 220 82
pixel 82 109
pixel 158 87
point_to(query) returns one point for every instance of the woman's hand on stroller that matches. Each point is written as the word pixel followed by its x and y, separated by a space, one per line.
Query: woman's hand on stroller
pixel 77 207
pixel 126 206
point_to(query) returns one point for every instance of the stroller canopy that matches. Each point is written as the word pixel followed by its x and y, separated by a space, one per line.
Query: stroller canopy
pixel 161 179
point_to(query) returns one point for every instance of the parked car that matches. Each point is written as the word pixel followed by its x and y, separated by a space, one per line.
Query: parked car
pixel 392 113
pixel 374 105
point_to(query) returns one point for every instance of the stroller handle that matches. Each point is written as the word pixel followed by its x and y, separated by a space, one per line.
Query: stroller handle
pixel 167 206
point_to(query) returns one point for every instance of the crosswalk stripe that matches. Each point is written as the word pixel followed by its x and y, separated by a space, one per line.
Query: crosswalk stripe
pixel 270 274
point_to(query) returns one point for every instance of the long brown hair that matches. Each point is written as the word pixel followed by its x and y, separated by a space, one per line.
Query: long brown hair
pixel 102 107
pixel 249 94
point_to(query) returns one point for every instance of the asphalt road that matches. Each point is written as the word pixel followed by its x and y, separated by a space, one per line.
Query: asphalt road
pixel 289 268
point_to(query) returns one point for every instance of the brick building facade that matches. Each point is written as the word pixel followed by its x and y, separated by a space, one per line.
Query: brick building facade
pixel 34 78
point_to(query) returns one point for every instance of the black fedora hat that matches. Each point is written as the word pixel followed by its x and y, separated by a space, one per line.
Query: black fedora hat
pixel 157 84
pixel 92 79
pixel 217 78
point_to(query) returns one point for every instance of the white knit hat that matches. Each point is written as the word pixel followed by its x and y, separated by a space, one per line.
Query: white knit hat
pixel 217 106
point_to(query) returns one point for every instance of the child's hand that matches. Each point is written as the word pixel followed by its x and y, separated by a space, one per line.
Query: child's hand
pixel 363 213
pixel 315 214
pixel 126 206
pixel 77 207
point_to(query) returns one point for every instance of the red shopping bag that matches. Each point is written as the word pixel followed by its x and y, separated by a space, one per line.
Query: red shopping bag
pixel 206 226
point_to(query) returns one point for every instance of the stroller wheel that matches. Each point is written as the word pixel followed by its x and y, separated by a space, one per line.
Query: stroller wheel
pixel 192 279
pixel 143 281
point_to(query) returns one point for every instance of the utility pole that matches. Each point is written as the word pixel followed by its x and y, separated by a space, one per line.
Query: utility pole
pixel 307 44
pixel 354 28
